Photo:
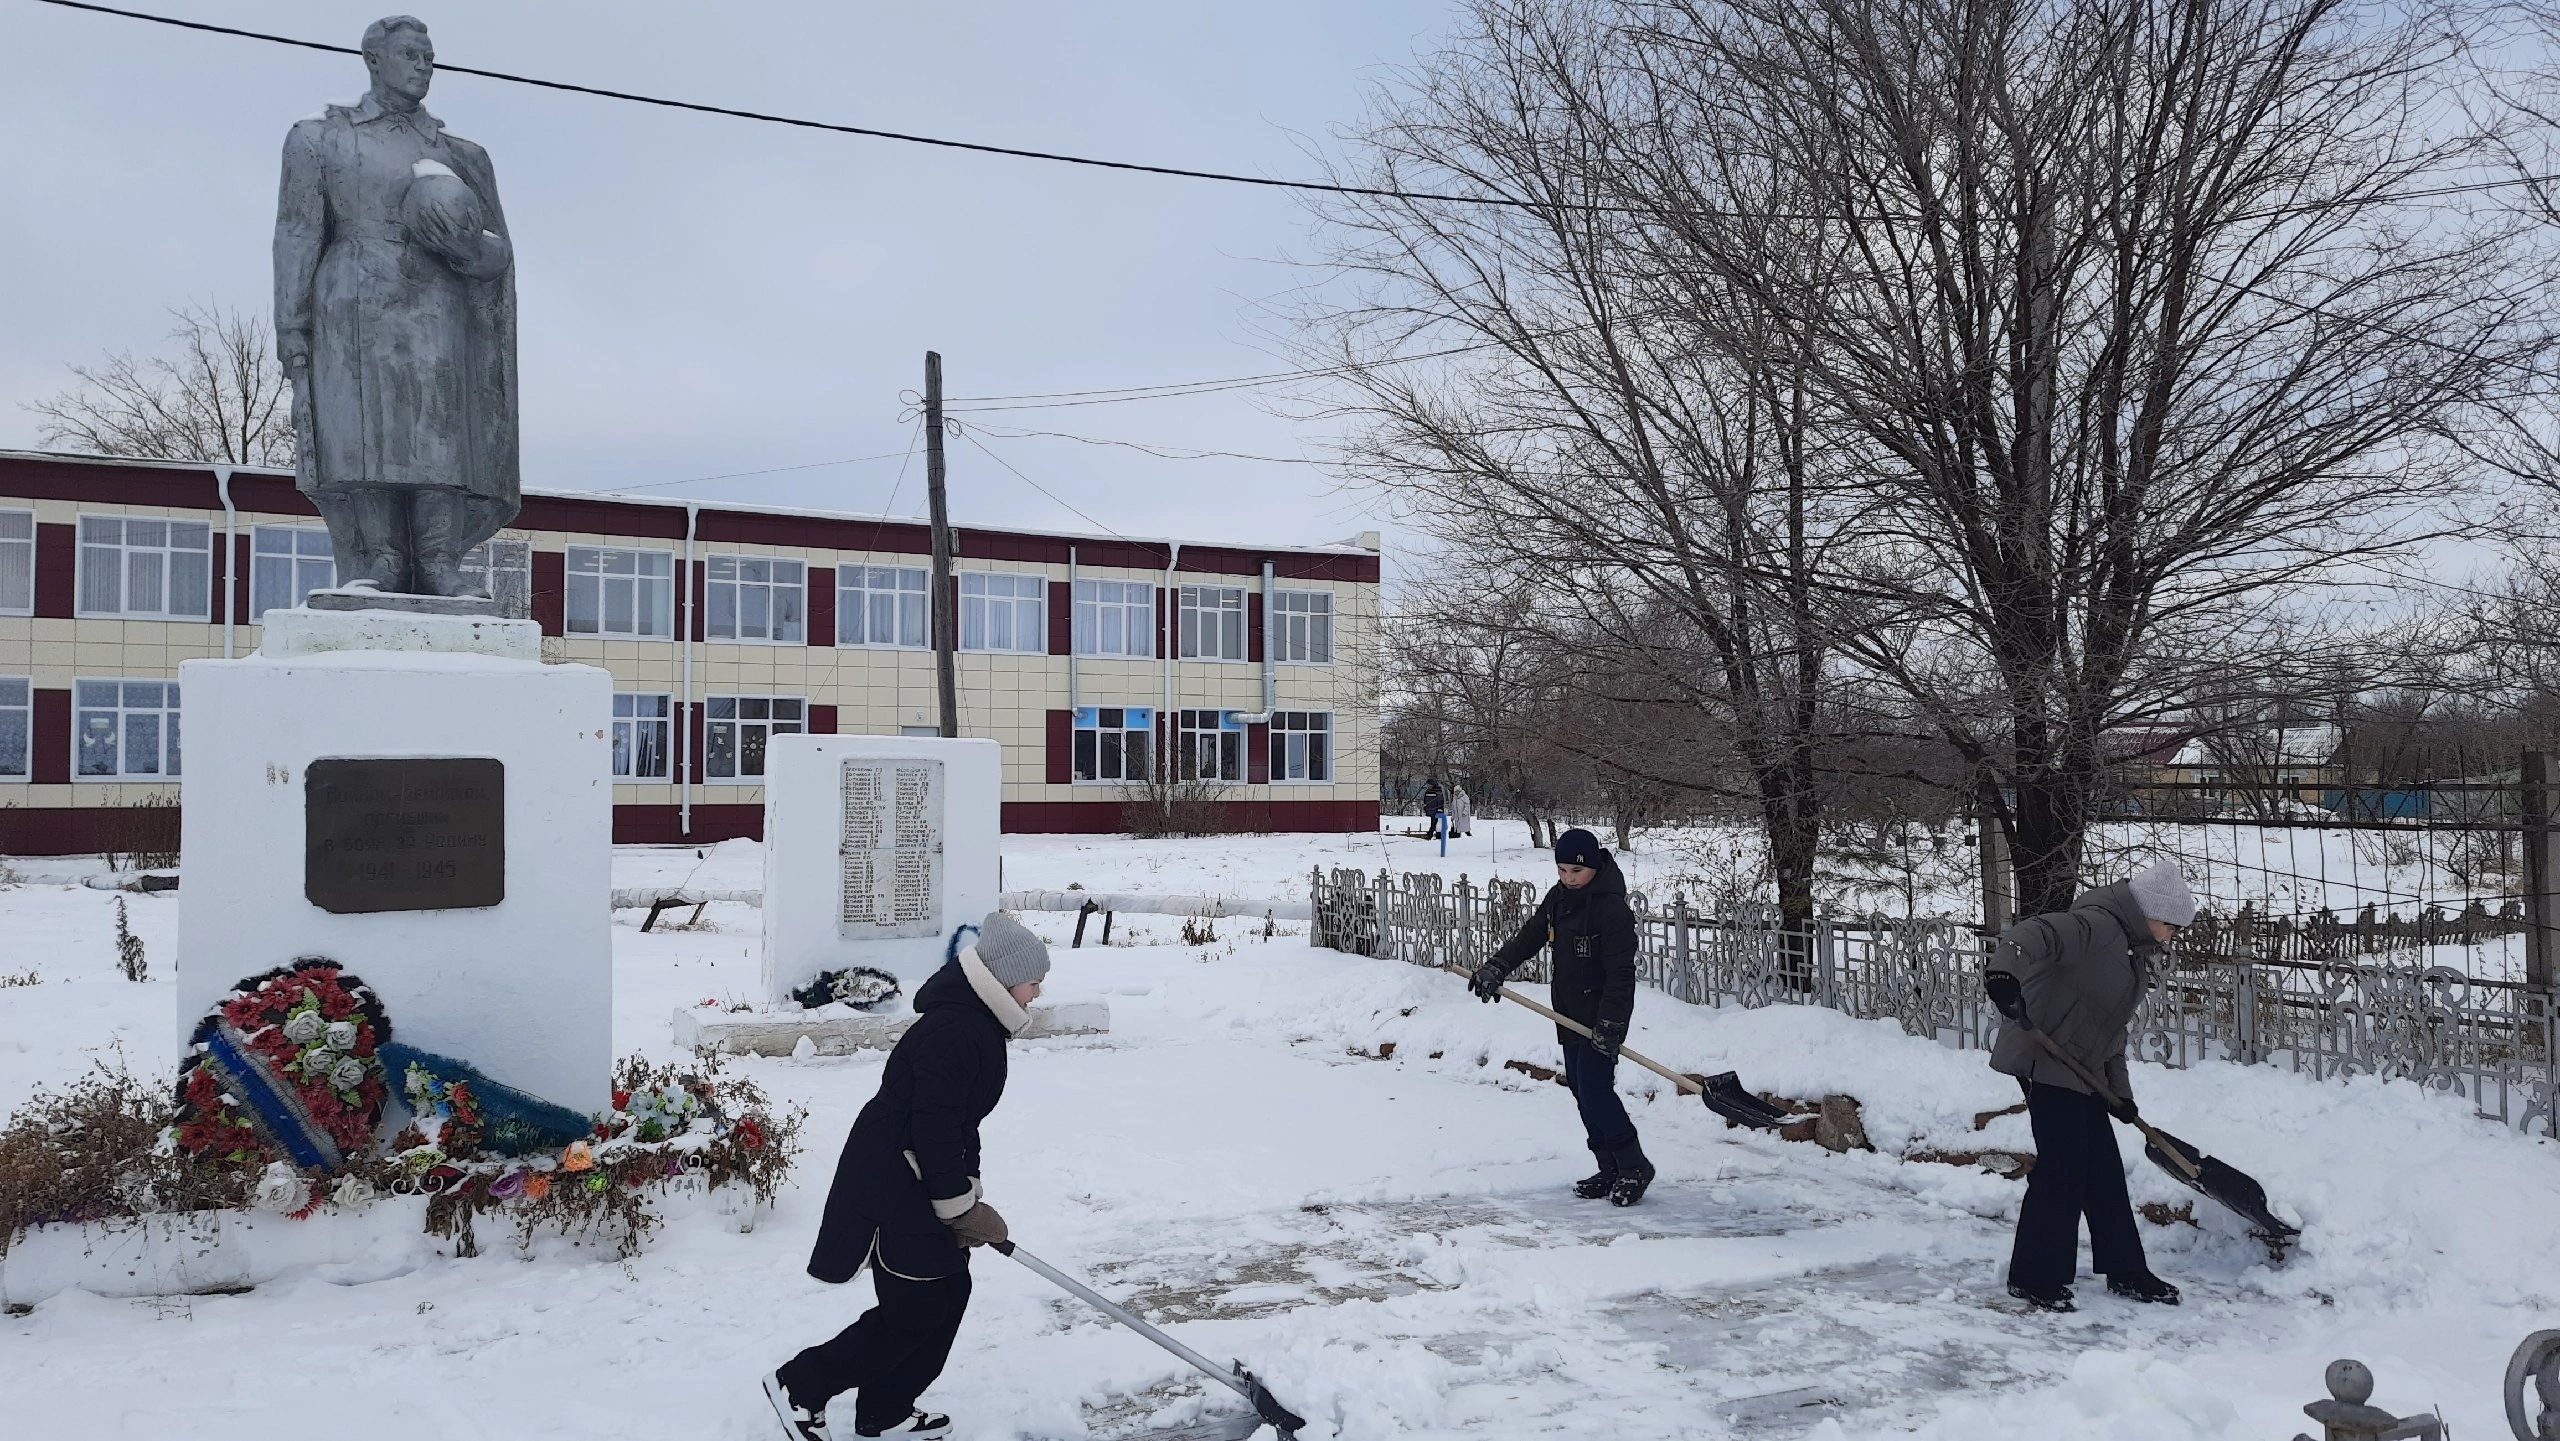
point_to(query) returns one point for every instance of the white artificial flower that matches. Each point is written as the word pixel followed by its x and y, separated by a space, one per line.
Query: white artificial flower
pixel 347 1074
pixel 342 1035
pixel 305 1027
pixel 280 1189
pixel 353 1192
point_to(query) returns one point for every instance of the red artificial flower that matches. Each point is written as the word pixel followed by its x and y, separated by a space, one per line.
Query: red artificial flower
pixel 622 1100
pixel 750 1134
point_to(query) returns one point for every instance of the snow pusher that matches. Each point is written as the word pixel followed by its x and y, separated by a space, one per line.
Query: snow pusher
pixel 1722 1091
pixel 1235 1377
pixel 2215 1180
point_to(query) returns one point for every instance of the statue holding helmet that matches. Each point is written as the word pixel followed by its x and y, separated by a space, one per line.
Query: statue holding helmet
pixel 396 321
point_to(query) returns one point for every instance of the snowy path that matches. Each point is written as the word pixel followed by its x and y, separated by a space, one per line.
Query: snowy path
pixel 1388 1241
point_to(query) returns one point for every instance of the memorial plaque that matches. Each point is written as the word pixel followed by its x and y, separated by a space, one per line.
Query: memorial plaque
pixel 404 835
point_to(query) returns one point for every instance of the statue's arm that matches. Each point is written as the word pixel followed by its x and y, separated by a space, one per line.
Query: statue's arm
pixel 302 229
pixel 496 251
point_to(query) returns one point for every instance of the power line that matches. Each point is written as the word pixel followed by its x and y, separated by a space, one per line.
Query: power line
pixel 1182 452
pixel 741 474
pixel 1035 485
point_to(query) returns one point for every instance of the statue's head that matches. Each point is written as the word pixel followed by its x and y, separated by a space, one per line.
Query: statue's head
pixel 401 57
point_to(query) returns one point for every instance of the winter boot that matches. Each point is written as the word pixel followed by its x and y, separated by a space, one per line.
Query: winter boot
pixel 1634 1174
pixel 918 1423
pixel 2143 1286
pixel 2057 1299
pixel 799 1423
pixel 1597 1184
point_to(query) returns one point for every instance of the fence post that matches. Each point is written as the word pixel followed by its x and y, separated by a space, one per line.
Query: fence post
pixel 1680 948
pixel 2541 882
pixel 1999 881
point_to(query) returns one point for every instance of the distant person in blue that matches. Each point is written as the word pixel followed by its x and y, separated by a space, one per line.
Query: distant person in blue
pixel 1589 933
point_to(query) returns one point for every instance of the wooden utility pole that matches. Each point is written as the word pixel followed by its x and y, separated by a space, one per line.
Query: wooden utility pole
pixel 945 606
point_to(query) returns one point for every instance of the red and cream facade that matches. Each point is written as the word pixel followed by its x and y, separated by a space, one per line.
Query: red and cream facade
pixel 1097 662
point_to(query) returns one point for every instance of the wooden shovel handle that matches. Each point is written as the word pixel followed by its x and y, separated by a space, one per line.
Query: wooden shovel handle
pixel 2098 1088
pixel 1687 1087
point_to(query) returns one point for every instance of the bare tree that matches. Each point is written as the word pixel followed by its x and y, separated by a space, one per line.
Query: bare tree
pixel 219 395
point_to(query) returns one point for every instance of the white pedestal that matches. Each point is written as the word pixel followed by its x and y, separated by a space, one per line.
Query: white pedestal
pixel 522 989
pixel 920 867
pixel 779 1033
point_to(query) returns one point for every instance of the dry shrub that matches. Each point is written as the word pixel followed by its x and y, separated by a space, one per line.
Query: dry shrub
pixel 142 836
pixel 1158 808
pixel 95 1151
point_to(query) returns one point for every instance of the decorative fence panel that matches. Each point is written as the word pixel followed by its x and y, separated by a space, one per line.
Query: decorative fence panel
pixel 2496 1043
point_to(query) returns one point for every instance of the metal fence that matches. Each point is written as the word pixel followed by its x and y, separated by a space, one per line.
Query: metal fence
pixel 2495 1043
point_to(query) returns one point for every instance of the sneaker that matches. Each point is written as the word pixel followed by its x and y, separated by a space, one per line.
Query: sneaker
pixel 2058 1299
pixel 918 1423
pixel 799 1423
pixel 2144 1287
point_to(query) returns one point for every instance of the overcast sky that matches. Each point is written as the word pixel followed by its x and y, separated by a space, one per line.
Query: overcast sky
pixel 702 295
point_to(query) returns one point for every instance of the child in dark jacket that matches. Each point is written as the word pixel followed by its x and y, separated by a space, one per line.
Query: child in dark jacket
pixel 1590 934
pixel 907 1201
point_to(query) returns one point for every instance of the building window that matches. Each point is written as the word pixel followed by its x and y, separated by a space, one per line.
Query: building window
pixel 1003 610
pixel 1302 626
pixel 1114 743
pixel 1115 617
pixel 627 593
pixel 1301 745
pixel 1208 746
pixel 17 562
pixel 881 605
pixel 286 564
pixel 148 569
pixel 17 725
pixel 751 597
pixel 504 569
pixel 1212 623
pixel 126 727
pixel 640 736
pixel 736 728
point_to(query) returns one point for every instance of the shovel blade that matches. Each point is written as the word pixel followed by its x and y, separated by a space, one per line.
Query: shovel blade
pixel 1267 1406
pixel 1724 1095
pixel 2227 1185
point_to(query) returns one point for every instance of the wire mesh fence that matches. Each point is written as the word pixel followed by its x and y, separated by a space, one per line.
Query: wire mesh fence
pixel 2217 996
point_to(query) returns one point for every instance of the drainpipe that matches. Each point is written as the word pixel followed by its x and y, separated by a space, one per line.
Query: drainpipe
pixel 1270 665
pixel 1172 622
pixel 1071 628
pixel 684 709
pixel 230 557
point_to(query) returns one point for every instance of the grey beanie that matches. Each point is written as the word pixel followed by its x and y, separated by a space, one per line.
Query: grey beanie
pixel 2162 893
pixel 1009 951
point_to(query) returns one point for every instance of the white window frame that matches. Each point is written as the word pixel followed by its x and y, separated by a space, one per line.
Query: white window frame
pixel 1099 722
pixel 778 584
pixel 504 569
pixel 1210 623
pixel 127 553
pixel 1191 732
pixel 1300 628
pixel 134 697
pixel 17 726
pixel 739 726
pixel 17 562
pixel 639 716
pixel 649 575
pixel 1013 602
pixel 910 605
pixel 1122 610
pixel 297 563
pixel 1316 745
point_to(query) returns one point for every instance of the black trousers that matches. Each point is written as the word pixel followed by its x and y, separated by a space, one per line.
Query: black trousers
pixel 1594 1080
pixel 889 1356
pixel 2078 1173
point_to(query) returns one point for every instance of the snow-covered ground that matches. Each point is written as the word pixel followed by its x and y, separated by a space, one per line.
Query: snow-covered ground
pixel 1389 1241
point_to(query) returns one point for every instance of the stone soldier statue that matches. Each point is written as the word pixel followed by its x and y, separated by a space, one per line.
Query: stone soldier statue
pixel 396 322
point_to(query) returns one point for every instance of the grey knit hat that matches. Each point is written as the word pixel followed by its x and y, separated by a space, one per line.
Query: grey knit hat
pixel 1009 951
pixel 2162 893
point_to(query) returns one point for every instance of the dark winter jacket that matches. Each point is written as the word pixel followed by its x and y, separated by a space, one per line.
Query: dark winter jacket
pixel 1591 935
pixel 2081 973
pixel 916 1142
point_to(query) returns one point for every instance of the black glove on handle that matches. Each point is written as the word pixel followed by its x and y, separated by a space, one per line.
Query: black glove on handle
pixel 2126 1111
pixel 2005 995
pixel 1607 1037
pixel 1487 981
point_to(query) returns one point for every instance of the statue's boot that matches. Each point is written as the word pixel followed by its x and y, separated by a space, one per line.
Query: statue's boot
pixel 441 522
pixel 365 527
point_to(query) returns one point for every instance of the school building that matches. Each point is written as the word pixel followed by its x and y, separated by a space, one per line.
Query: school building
pixel 1109 668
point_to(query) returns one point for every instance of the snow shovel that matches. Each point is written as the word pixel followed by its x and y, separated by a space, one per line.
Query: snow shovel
pixel 1722 1091
pixel 2213 1179
pixel 1236 1378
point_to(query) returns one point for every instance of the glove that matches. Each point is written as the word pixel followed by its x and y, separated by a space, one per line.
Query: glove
pixel 1607 1037
pixel 2005 995
pixel 2125 1110
pixel 1487 981
pixel 979 1226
